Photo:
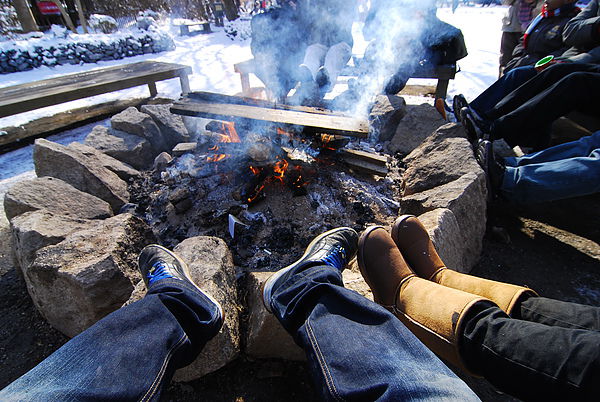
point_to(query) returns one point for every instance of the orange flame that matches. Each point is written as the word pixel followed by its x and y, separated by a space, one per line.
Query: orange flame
pixel 279 169
pixel 216 158
pixel 232 135
pixel 281 131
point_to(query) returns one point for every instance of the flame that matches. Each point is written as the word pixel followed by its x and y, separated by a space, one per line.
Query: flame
pixel 216 158
pixel 257 192
pixel 326 139
pixel 281 131
pixel 279 169
pixel 232 135
pixel 256 171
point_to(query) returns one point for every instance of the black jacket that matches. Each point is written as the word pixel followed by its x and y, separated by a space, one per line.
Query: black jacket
pixel 582 33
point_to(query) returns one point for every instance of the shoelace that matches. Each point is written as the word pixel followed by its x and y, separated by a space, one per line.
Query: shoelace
pixel 159 270
pixel 337 258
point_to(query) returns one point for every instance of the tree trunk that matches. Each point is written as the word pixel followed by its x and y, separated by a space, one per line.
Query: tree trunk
pixel 82 20
pixel 231 9
pixel 65 15
pixel 25 16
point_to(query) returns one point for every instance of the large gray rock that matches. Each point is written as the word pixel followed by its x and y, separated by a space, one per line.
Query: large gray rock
pixel 123 170
pixel 34 230
pixel 171 125
pixel 83 173
pixel 466 198
pixel 418 123
pixel 443 157
pixel 89 274
pixel 133 121
pixel 267 339
pixel 211 266
pixel 56 196
pixel 443 229
pixel 129 148
pixel 385 114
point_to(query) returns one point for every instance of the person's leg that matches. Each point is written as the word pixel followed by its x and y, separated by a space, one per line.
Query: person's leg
pixel 567 178
pixel 531 360
pixel 510 81
pixel 529 124
pixel 557 313
pixel 131 353
pixel 337 57
pixel 520 93
pixel 582 147
pixel 314 58
pixel 356 349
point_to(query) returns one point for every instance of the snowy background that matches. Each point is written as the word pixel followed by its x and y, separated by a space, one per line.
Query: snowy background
pixel 212 58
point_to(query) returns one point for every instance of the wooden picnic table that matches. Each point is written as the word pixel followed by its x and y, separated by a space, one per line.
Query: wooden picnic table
pixel 34 95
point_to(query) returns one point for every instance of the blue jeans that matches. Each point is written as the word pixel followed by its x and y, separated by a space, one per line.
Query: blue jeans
pixel 562 171
pixel 356 349
pixel 128 355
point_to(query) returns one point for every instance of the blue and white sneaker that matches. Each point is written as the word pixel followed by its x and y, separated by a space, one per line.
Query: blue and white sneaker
pixel 157 262
pixel 335 248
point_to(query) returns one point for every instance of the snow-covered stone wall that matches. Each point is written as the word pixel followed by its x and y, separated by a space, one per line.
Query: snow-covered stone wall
pixel 77 49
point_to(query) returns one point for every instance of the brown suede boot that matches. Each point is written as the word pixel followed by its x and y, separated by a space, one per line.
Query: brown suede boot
pixel 381 265
pixel 415 245
pixel 434 313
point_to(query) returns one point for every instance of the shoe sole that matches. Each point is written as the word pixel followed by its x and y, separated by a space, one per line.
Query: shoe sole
pixel 360 255
pixel 267 286
pixel 188 275
pixel 397 223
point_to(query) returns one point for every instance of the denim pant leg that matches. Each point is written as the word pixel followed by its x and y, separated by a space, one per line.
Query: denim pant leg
pixel 582 147
pixel 129 354
pixel 549 181
pixel 560 314
pixel 533 361
pixel 510 81
pixel 356 349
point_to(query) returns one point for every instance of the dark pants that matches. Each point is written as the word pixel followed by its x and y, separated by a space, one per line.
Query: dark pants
pixel 550 352
pixel 524 116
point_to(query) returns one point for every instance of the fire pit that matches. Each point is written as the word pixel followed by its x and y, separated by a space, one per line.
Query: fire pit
pixel 267 190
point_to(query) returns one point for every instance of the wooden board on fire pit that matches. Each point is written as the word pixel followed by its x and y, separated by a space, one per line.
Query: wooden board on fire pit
pixel 224 109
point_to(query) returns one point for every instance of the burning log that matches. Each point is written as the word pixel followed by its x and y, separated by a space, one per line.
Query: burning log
pixel 365 161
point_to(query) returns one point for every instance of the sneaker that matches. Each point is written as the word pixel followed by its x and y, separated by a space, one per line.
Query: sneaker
pixel 304 74
pixel 458 102
pixel 494 168
pixel 474 131
pixel 335 248
pixel 396 84
pixel 157 263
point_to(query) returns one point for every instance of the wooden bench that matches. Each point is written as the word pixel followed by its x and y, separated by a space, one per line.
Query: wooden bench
pixel 443 73
pixel 184 28
pixel 38 94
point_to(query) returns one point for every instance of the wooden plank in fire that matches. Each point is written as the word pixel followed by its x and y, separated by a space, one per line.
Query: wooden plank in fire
pixel 318 123
pixel 365 161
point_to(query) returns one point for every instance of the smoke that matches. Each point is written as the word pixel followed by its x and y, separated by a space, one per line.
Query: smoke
pixel 403 36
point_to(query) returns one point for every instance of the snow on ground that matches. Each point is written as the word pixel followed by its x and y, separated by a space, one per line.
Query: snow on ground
pixel 212 58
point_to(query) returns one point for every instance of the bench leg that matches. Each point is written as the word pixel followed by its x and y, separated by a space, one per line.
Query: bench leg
pixel 441 89
pixel 245 77
pixel 185 84
pixel 184 30
pixel 152 88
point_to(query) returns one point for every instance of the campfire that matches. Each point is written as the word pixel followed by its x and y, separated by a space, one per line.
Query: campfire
pixel 267 189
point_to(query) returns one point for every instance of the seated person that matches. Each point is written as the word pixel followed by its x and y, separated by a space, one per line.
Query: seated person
pixel 419 39
pixel 276 61
pixel 563 171
pixel 329 27
pixel 524 116
pixel 544 35
pixel 583 34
